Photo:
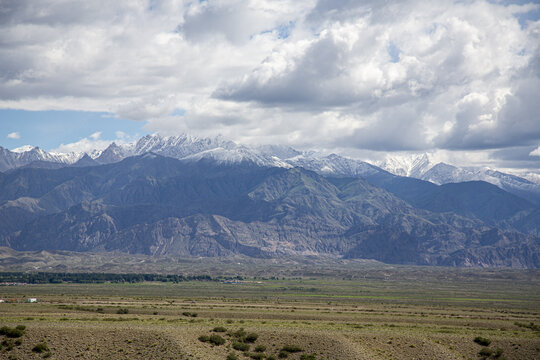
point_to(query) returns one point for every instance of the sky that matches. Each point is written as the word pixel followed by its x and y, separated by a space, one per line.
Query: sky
pixel 368 79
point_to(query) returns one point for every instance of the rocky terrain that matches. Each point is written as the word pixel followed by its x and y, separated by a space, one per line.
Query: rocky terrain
pixel 157 205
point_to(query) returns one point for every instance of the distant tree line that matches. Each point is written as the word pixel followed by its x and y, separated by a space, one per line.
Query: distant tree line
pixel 87 278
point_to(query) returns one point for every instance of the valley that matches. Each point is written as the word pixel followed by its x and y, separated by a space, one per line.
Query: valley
pixel 384 313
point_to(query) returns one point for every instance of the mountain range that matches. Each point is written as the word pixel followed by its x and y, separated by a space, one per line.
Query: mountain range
pixel 226 151
pixel 188 196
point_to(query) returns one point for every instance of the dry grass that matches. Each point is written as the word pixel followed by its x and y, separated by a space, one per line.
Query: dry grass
pixel 84 323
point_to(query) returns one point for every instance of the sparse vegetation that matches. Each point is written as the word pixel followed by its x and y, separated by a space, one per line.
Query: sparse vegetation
pixel 385 318
pixel 204 338
pixel 485 353
pixel 240 346
pixel 190 314
pixel 256 356
pixel 8 344
pixel 292 348
pixel 260 348
pixel 12 332
pixel 530 325
pixel 482 341
pixel 216 340
pixel 239 334
pixel 40 348
pixel 251 337
pixel 283 354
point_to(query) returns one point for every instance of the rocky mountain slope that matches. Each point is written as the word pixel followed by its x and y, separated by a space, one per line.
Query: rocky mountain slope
pixel 151 204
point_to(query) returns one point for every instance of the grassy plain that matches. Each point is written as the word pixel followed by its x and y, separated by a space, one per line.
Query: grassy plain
pixel 364 312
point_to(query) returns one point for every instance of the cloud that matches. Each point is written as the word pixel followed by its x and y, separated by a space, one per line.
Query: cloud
pixel 14 135
pixel 92 142
pixel 95 136
pixel 235 21
pixel 357 76
pixel 436 61
pixel 535 152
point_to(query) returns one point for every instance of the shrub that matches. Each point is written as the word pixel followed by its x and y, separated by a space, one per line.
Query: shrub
pixel 498 353
pixel 15 333
pixel 240 346
pixel 482 341
pixel 20 327
pixel 8 344
pixel 308 357
pixel 251 337
pixel 216 340
pixel 260 348
pixel 12 332
pixel 219 329
pixel 204 338
pixel 271 357
pixel 283 354
pixel 40 348
pixel 292 348
pixel 257 356
pixel 232 356
pixel 240 333
pixel 485 352
pixel 122 311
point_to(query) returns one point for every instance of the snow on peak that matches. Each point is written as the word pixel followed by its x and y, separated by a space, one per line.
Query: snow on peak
pixel 23 148
pixel 220 149
pixel 412 165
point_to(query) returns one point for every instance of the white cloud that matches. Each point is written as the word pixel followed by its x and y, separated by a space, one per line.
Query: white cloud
pixel 14 135
pixel 92 142
pixel 333 74
pixel 535 152
pixel 95 136
pixel 433 97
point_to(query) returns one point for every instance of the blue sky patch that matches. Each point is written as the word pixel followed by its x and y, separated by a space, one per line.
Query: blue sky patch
pixel 49 129
pixel 394 52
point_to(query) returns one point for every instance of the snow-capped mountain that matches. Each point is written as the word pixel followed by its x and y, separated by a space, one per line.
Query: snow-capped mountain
pixel 333 165
pixel 187 147
pixel 414 165
pixel 532 177
pixel 27 154
pixel 424 168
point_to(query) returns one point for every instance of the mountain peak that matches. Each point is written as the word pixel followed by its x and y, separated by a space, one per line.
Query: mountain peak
pixel 86 160
pixel 411 165
pixel 23 149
